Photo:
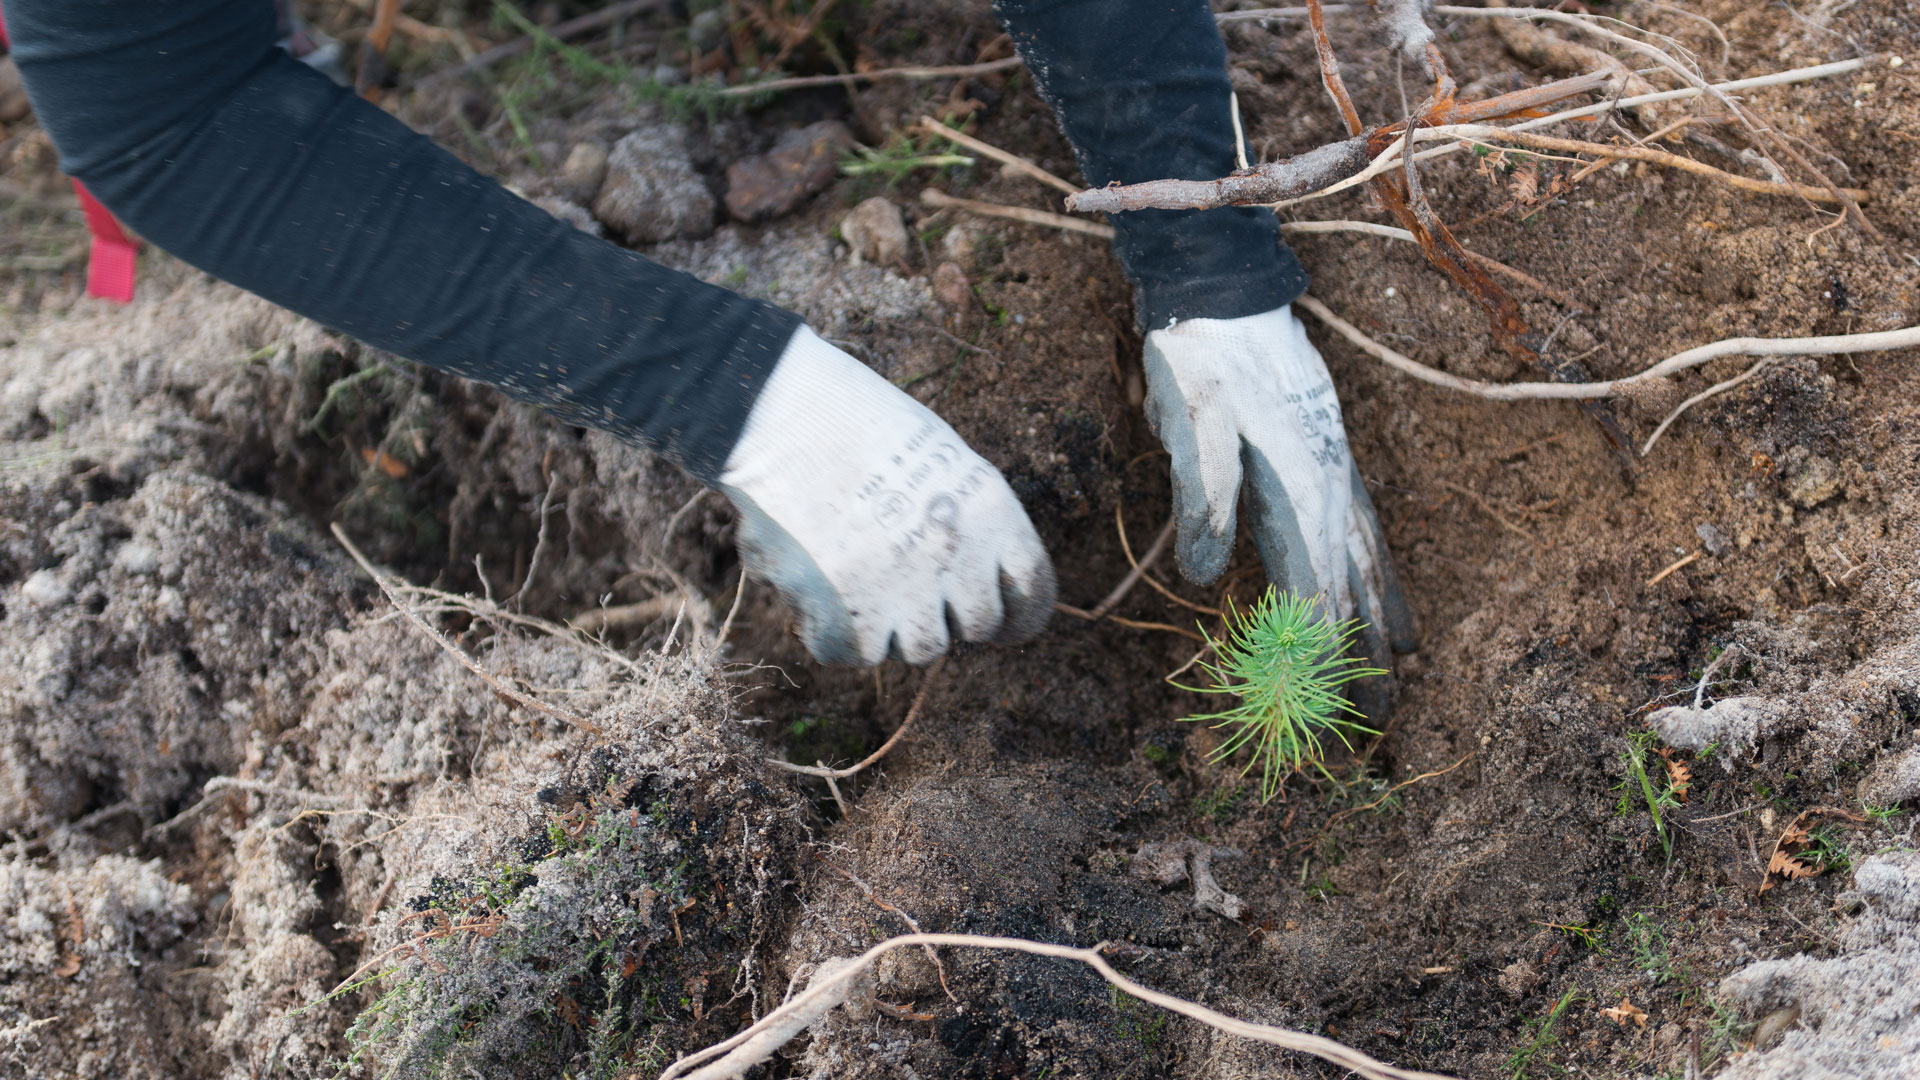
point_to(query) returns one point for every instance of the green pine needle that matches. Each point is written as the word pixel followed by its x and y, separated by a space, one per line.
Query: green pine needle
pixel 1287 666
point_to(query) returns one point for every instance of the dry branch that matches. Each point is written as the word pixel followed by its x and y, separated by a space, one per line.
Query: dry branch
pixel 834 980
pixel 985 149
pixel 937 198
pixel 1318 168
pixel 1656 157
pixel 606 16
pixel 799 82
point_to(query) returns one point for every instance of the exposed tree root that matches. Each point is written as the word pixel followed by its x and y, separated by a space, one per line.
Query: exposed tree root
pixel 835 979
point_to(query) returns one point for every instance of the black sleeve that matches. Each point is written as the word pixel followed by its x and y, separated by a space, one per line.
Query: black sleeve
pixel 186 121
pixel 1141 89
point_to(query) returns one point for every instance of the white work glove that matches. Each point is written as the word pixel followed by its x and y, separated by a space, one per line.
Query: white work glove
pixel 883 530
pixel 1250 398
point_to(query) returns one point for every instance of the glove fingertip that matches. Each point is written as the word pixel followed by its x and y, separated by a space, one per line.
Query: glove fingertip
pixel 1027 595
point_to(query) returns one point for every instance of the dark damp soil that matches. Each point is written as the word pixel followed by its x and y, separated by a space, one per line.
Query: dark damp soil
pixel 1463 894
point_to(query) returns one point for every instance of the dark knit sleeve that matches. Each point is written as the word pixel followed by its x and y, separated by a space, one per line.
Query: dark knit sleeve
pixel 1141 89
pixel 186 121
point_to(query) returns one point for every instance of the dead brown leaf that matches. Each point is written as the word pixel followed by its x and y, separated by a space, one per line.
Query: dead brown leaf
pixel 1620 1014
pixel 1679 777
pixel 1525 181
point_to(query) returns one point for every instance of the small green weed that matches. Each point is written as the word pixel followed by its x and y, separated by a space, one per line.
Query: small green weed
pixel 1725 1033
pixel 1286 665
pixel 899 157
pixel 1828 849
pixel 1648 944
pixel 1138 1021
pixel 1219 803
pixel 1639 781
pixel 1521 1062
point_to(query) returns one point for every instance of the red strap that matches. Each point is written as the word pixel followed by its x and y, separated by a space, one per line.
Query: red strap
pixel 111 256
pixel 111 253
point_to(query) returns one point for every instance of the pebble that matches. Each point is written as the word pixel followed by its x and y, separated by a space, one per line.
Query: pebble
pixel 584 171
pixel 951 287
pixel 876 231
pixel 803 162
pixel 651 192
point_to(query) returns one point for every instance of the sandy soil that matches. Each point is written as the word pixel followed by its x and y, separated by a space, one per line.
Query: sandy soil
pixel 232 780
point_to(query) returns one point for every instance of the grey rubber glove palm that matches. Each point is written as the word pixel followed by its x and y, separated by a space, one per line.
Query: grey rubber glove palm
pixel 886 533
pixel 1248 402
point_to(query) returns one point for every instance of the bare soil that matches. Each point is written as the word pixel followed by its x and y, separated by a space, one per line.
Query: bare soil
pixel 1480 881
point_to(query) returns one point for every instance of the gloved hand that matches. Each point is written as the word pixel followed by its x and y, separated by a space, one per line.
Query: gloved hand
pixel 1250 398
pixel 885 532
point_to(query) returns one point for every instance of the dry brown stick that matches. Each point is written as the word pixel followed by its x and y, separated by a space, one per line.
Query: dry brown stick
pixel 455 651
pixel 1656 157
pixel 835 979
pixel 1325 167
pixel 621 617
pixel 1154 550
pixel 1672 568
pixel 986 149
pixel 1747 116
pixel 800 82
pixel 1532 45
pixel 1487 508
pixel 559 32
pixel 913 713
pixel 1140 567
pixel 1393 232
pixel 936 197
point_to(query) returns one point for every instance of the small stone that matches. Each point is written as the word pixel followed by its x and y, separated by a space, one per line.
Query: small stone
pixel 801 163
pixel 960 243
pixel 1811 479
pixel 651 192
pixel 1712 537
pixel 1518 979
pixel 707 31
pixel 584 171
pixel 45 589
pixel 876 231
pixel 1776 1025
pixel 951 287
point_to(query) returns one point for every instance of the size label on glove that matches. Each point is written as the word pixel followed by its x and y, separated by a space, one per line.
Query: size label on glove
pixel 1317 412
pixel 922 498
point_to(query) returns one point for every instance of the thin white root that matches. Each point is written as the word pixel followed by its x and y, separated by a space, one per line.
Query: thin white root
pixel 440 639
pixel 1904 338
pixel 937 198
pixel 1717 388
pixel 835 980
pixel 986 149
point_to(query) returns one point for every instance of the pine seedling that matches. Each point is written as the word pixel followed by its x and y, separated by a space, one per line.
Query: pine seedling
pixel 1288 667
